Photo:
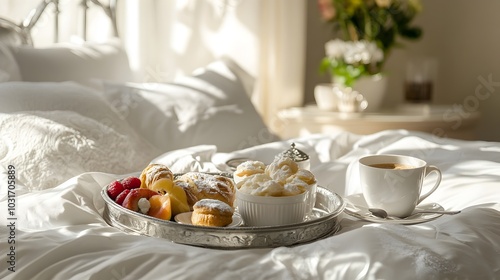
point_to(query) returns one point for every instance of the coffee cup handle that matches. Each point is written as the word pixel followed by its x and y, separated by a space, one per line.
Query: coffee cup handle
pixel 428 170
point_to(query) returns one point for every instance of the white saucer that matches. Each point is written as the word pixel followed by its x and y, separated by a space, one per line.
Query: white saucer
pixel 185 218
pixel 356 206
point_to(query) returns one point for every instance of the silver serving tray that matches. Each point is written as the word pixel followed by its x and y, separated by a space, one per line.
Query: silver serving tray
pixel 323 222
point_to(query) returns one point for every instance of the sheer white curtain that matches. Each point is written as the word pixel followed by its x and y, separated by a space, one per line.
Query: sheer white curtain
pixel 165 39
pixel 168 38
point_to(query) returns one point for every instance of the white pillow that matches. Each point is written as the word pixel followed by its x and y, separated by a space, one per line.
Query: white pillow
pixel 9 70
pixel 71 62
pixel 47 148
pixel 211 107
pixel 69 96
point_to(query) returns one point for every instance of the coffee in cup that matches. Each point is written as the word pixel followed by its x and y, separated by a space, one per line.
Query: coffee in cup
pixel 394 182
pixel 391 166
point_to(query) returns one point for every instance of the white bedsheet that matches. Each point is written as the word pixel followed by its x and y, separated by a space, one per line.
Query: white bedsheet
pixel 60 233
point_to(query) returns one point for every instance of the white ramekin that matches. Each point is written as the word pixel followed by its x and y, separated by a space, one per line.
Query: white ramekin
pixel 272 211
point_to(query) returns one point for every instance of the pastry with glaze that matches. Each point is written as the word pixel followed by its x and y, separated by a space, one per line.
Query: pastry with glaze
pixel 154 172
pixel 200 186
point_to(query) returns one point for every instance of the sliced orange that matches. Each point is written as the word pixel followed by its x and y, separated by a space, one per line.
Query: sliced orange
pixel 177 195
pixel 161 207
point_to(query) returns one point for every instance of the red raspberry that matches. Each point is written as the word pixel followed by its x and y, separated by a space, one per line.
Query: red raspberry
pixel 131 182
pixel 121 197
pixel 114 189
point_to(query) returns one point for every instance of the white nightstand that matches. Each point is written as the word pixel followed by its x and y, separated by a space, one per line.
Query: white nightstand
pixel 451 121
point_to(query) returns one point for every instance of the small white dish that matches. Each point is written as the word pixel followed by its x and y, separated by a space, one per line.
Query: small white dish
pixel 260 211
pixel 357 207
pixel 185 218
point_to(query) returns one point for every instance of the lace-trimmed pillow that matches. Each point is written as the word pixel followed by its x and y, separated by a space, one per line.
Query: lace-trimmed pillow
pixel 48 148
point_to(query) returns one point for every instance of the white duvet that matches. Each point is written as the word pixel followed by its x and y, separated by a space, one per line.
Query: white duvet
pixel 60 233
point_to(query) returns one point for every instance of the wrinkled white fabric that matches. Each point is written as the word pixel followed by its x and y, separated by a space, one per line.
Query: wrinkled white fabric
pixel 52 146
pixel 62 235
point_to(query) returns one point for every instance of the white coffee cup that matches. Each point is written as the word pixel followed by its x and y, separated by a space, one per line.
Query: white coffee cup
pixel 325 97
pixel 394 182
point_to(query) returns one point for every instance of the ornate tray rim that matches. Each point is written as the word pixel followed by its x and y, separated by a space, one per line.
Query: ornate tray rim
pixel 229 238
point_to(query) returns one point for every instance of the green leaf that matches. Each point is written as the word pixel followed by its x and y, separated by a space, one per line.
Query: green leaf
pixel 411 32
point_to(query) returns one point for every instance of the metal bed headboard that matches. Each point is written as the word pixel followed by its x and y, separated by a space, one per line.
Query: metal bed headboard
pixel 23 30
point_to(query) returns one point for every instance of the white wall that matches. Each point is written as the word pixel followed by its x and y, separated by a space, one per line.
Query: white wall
pixel 464 37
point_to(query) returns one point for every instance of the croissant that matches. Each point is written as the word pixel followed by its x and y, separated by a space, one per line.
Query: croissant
pixel 154 172
pixel 200 186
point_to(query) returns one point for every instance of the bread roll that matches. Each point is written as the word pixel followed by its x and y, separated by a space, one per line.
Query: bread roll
pixel 212 213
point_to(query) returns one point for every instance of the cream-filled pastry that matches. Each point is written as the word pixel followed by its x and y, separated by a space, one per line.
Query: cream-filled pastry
pixel 248 168
pixel 261 185
pixel 294 188
pixel 212 212
pixel 280 178
pixel 303 175
pixel 281 168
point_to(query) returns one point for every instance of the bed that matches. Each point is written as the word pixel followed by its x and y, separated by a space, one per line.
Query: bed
pixel 68 132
